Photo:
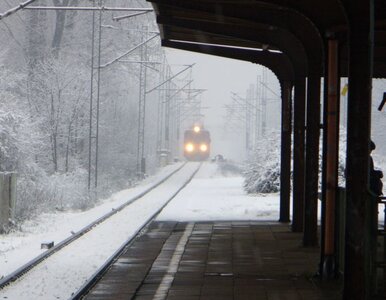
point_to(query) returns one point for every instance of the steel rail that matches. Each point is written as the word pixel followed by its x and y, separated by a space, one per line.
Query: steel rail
pixel 34 262
pixel 90 283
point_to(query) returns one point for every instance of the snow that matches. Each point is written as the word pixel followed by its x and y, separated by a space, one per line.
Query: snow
pixel 212 196
pixel 20 247
pixel 60 275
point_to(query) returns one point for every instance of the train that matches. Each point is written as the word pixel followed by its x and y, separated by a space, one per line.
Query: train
pixel 196 144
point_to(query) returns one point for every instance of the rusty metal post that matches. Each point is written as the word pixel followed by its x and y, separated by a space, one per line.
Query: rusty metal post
pixel 285 161
pixel 298 152
pixel 310 236
pixel 332 134
pixel 357 279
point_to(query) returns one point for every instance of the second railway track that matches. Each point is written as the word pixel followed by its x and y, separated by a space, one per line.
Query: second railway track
pixel 184 175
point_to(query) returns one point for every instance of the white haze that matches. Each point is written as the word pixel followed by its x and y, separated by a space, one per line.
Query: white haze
pixel 221 76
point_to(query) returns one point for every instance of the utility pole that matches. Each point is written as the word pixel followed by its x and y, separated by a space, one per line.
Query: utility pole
pixel 264 104
pixel 243 110
pixel 167 111
pixel 141 160
pixel 257 110
pixel 168 121
pixel 160 111
pixel 96 41
pixel 250 118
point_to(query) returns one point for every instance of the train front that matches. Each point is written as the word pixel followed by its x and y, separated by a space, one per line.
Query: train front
pixel 196 144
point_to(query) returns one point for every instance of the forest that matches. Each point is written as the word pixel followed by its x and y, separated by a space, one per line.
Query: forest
pixel 73 96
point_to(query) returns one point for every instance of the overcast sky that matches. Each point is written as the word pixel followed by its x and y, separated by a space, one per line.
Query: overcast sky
pixel 220 76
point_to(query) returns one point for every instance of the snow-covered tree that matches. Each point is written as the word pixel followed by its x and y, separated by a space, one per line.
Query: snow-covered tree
pixel 45 100
pixel 262 173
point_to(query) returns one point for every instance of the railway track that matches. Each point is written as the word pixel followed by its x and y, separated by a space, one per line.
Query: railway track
pixel 26 268
pixel 83 291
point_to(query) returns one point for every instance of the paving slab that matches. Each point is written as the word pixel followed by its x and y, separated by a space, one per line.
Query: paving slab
pixel 217 260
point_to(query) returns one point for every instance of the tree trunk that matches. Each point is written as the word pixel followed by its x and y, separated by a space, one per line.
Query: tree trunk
pixel 59 26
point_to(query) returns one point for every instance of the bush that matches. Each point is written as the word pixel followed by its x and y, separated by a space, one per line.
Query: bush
pixel 38 193
pixel 262 173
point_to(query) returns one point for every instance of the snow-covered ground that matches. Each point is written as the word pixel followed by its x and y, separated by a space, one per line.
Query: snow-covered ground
pixel 64 272
pixel 213 196
pixel 210 196
pixel 19 247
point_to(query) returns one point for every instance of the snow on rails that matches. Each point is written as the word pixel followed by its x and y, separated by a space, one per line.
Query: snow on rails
pixel 77 258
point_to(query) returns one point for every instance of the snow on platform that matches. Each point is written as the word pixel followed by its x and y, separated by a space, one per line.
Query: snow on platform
pixel 211 195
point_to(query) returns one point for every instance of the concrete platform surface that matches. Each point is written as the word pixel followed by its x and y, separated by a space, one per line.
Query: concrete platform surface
pixel 216 261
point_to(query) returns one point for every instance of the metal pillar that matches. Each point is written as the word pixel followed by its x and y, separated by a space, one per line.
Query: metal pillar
pixel 141 160
pixel 285 161
pixel 167 112
pixel 160 112
pixel 178 128
pixel 98 96
pixel 248 120
pixel 357 279
pixel 264 104
pixel 258 110
pixel 160 117
pixel 172 118
pixel 310 237
pixel 94 103
pixel 298 167
pixel 90 137
pixel 331 168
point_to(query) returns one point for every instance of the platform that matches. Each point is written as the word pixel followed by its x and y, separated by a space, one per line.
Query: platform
pixel 216 261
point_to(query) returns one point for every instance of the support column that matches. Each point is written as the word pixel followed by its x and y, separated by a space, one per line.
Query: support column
pixel 298 168
pixel 357 280
pixel 285 161
pixel 310 237
pixel 324 164
pixel 331 171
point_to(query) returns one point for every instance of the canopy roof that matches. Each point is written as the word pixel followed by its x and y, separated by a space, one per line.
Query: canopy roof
pixel 294 30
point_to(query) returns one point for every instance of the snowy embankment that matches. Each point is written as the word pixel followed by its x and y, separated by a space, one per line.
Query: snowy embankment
pixel 213 196
pixel 63 273
pixel 17 248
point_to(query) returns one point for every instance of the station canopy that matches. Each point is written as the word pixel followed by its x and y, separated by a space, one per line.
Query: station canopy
pixel 283 35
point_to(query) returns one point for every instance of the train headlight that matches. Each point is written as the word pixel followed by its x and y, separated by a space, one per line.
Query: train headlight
pixel 189 147
pixel 203 147
pixel 196 129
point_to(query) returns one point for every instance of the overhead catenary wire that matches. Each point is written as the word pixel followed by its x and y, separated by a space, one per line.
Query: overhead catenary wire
pixel 131 15
pixel 15 9
pixel 86 8
pixel 128 52
pixel 169 79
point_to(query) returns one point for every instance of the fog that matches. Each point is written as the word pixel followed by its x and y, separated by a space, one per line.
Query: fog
pixel 220 77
